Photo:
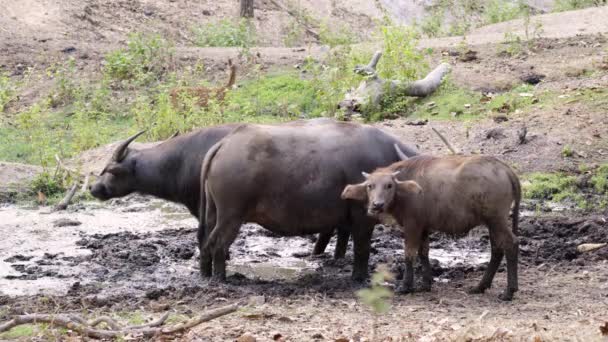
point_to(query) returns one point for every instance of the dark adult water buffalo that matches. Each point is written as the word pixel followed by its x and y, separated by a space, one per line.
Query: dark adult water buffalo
pixel 171 171
pixel 289 179
pixel 451 194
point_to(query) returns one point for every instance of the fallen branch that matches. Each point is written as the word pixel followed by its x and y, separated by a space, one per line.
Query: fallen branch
pixel 445 141
pixel 78 324
pixel 370 68
pixel 68 198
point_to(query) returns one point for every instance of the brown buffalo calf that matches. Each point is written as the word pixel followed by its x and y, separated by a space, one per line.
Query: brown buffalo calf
pixel 450 194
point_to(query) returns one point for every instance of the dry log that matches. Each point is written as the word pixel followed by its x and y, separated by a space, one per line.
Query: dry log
pixel 371 90
pixel 78 324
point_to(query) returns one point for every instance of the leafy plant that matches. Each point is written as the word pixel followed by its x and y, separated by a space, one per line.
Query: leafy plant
pixel 568 5
pixel 225 33
pixel 600 179
pixel 497 11
pixel 378 296
pixel 48 184
pixel 145 59
pixel 335 35
pixel 7 90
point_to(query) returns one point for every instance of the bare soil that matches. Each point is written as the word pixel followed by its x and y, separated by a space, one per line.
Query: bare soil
pixel 139 255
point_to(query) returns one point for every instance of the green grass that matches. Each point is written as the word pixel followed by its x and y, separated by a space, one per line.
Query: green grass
pixel 19 332
pixel 600 180
pixel 550 186
pixel 447 103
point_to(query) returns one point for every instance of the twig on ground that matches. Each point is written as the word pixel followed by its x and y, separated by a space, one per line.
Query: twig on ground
pixel 78 324
pixel 445 141
pixel 68 198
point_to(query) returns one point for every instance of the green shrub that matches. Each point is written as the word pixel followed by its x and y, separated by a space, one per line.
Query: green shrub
pixel 145 59
pixel 497 11
pixel 225 33
pixel 432 24
pixel 401 58
pixel 50 185
pixel 7 90
pixel 600 180
pixel 568 5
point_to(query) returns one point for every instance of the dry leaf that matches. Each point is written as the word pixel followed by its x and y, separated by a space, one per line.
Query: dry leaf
pixel 342 339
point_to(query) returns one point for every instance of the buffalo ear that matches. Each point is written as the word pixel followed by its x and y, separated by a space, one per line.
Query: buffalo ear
pixel 117 169
pixel 408 188
pixel 356 192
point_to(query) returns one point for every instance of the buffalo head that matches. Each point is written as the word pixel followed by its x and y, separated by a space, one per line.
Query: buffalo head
pixel 118 177
pixel 380 190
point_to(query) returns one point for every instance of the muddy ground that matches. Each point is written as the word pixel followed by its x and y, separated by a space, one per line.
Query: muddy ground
pixel 140 254
pixel 137 256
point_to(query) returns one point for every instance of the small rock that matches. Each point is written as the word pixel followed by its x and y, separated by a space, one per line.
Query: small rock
pixel 532 78
pixel 417 122
pixel 318 336
pixel 467 105
pixel 468 56
pixel 206 12
pixel 158 306
pixel 68 49
pixel 65 222
pixel 495 133
pixel 246 337
pixel 276 336
pixel 148 12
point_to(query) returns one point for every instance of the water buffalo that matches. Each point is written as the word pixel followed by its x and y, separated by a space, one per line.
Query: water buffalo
pixel 171 171
pixel 289 179
pixel 452 195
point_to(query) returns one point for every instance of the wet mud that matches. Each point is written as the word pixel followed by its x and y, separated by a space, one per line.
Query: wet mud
pixel 123 268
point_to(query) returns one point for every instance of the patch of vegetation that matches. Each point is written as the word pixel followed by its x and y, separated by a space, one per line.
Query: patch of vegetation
pixel 145 59
pixel 569 5
pixel 599 180
pixel 497 11
pixel 7 90
pixel 431 25
pixel 19 332
pixel 518 98
pixel 448 102
pixel 567 151
pixel 551 186
pixel 334 35
pixel 226 33
pixel 48 184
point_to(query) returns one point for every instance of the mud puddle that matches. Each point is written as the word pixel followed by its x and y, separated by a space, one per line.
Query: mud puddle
pixel 146 248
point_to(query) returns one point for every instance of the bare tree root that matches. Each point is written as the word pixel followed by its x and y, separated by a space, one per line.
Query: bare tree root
pixel 78 324
pixel 445 141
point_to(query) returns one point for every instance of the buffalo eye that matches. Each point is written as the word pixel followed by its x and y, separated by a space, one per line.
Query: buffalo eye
pixel 370 186
pixel 389 186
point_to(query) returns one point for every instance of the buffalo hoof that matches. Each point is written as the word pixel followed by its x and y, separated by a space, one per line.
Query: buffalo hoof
pixel 506 296
pixel 359 277
pixel 404 289
pixel 424 288
pixel 477 290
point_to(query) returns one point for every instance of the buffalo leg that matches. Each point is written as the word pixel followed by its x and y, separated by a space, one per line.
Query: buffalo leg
pixel 508 242
pixel 411 246
pixel 423 255
pixel 362 235
pixel 341 243
pixel 322 243
pixel 208 219
pixel 495 260
pixel 220 239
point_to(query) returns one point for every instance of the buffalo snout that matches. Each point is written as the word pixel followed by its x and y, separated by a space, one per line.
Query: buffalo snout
pixel 99 191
